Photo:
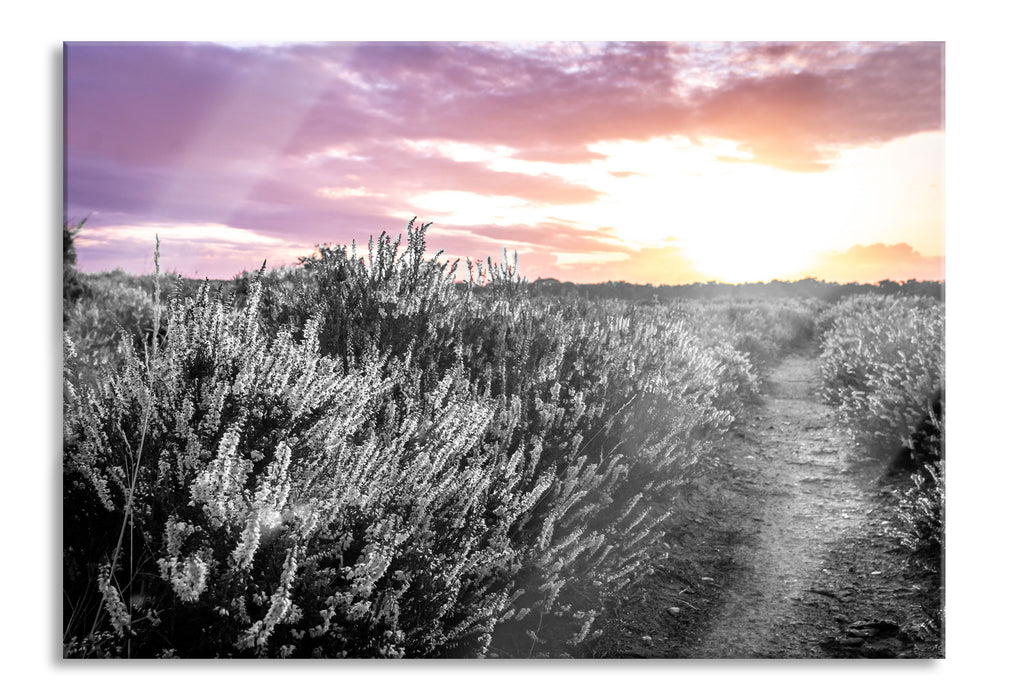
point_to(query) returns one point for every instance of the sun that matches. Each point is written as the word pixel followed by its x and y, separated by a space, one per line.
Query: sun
pixel 707 204
pixel 732 221
pixel 733 259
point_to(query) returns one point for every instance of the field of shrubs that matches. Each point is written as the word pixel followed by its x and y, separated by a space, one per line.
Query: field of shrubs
pixel 883 364
pixel 362 456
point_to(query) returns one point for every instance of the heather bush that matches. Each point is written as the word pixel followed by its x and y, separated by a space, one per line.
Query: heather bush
pixel 395 299
pixel 230 494
pixel 921 510
pixel 624 407
pixel 748 336
pixel 882 362
pixel 112 305
pixel 919 526
pixel 363 457
pixel 921 514
pixel 617 397
pixel 762 330
pixel 883 366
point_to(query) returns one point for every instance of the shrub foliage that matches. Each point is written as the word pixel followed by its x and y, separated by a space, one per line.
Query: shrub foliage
pixel 883 365
pixel 361 456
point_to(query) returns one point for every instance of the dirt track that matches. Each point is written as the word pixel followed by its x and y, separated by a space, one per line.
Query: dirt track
pixel 783 551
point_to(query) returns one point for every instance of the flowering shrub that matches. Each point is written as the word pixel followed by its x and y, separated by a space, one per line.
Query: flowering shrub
pixel 111 305
pixel 259 496
pixel 883 365
pixel 761 330
pixel 882 361
pixel 363 457
pixel 921 514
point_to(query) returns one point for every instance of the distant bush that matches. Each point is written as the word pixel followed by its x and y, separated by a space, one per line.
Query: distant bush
pixel 72 287
pixel 111 306
pixel 760 330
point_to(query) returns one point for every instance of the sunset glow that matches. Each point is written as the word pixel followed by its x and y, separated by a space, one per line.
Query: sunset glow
pixel 648 162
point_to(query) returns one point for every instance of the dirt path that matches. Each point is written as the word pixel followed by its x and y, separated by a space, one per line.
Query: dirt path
pixel 782 551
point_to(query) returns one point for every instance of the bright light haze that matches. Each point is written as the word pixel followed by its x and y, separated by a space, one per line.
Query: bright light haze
pixel 650 162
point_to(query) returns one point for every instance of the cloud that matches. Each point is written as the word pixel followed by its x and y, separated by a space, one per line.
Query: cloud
pixel 549 235
pixel 255 138
pixel 879 261
pixel 549 101
pixel 798 120
pixel 557 154
pixel 654 265
pixel 393 167
pixel 570 253
pixel 208 250
pixel 788 104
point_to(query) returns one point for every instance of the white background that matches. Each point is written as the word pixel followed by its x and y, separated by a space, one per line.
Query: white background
pixel 31 197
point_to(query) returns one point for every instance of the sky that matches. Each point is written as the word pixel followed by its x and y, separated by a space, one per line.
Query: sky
pixel 662 163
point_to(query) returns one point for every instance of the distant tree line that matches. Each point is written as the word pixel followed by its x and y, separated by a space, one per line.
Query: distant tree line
pixel 809 288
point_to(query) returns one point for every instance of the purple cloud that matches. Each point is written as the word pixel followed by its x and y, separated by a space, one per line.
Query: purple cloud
pixel 311 142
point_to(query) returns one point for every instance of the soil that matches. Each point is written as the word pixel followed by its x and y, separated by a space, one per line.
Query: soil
pixel 783 549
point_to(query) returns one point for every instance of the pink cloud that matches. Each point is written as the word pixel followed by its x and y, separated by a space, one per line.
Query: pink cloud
pixel 549 235
pixel 879 261
pixel 655 265
pixel 386 167
pixel 798 120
